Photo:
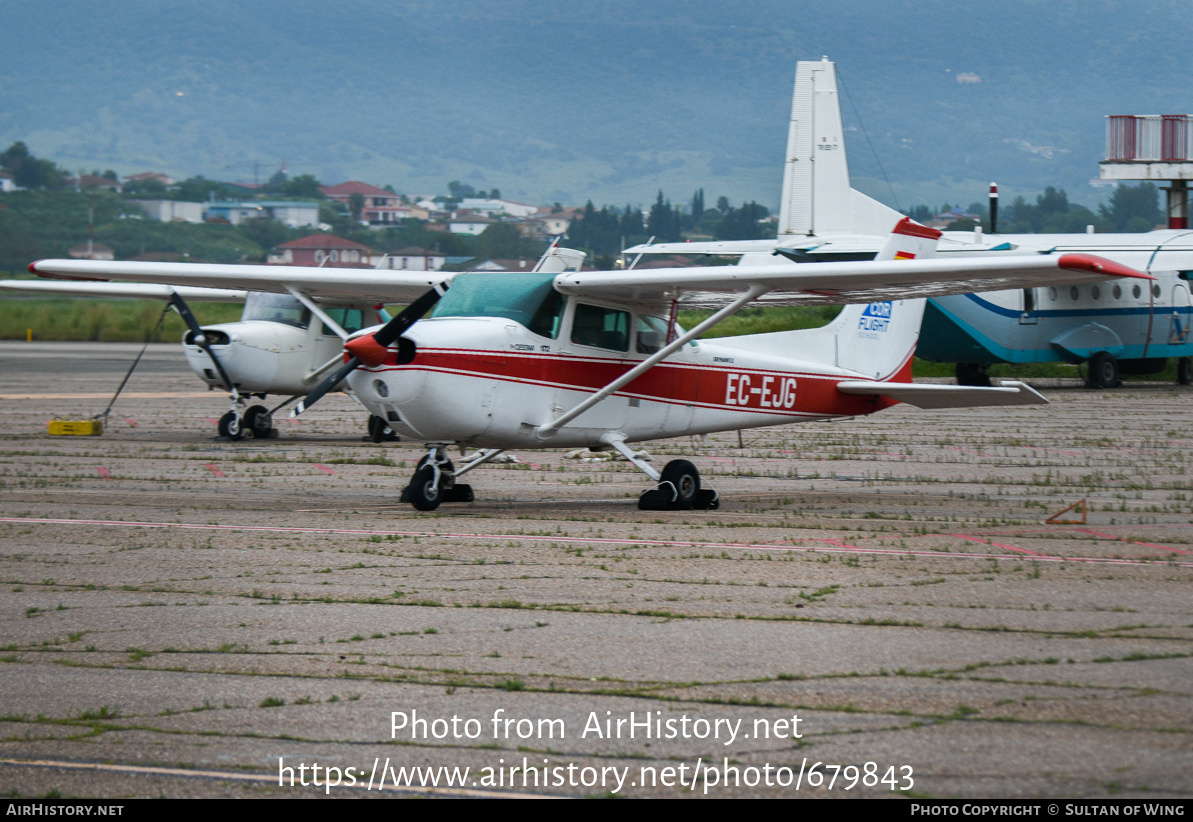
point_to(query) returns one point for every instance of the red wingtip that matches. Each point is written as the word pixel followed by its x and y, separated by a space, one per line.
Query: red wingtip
pixel 48 276
pixel 367 350
pixel 910 228
pixel 1100 265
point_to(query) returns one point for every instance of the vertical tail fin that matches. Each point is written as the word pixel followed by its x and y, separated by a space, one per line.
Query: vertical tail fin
pixel 879 339
pixel 817 199
pixel 876 340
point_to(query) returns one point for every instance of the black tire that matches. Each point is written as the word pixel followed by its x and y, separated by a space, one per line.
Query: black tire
pixel 231 426
pixel 379 424
pixel 425 493
pixel 972 373
pixel 686 479
pixel 1103 371
pixel 257 422
pixel 1184 371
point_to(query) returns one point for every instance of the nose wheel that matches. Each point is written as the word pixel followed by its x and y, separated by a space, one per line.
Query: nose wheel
pixel 434 482
pixel 231 425
pixel 256 421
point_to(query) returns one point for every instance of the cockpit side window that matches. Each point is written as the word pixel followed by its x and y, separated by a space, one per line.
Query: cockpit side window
pixel 349 319
pixel 652 335
pixel 276 308
pixel 601 327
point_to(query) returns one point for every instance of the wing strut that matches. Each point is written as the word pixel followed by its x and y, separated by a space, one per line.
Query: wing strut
pixel 545 432
pixel 318 311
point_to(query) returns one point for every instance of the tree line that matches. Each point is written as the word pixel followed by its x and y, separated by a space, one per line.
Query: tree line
pixel 605 231
pixel 1130 209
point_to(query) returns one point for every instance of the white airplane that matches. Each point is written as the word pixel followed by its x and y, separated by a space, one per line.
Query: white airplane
pixel 279 345
pixel 284 342
pixel 596 359
pixel 1114 327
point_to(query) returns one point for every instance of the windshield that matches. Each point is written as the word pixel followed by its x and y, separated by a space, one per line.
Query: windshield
pixel 276 308
pixel 526 298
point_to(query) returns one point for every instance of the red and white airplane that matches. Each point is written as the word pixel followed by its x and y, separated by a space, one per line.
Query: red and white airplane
pixel 596 359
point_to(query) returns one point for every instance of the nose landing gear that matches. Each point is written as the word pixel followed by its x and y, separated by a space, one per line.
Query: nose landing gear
pixel 434 480
pixel 255 421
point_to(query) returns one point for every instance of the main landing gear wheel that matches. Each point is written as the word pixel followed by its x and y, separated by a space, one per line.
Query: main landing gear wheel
pixel 684 477
pixel 231 426
pixel 679 490
pixel 258 422
pixel 1103 371
pixel 973 373
pixel 379 430
pixel 1184 371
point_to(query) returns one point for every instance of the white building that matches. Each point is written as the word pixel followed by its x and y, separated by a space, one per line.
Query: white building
pixel 411 259
pixel 172 211
pixel 469 223
pixel 293 214
pixel 491 207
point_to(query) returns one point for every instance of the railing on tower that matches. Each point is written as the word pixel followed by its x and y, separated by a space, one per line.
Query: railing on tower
pixel 1164 138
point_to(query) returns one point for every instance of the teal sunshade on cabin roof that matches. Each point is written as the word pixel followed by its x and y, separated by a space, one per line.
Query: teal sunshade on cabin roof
pixel 516 297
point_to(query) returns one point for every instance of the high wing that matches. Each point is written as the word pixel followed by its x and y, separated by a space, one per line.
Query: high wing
pixel 363 284
pixel 801 248
pixel 148 291
pixel 839 283
pixel 726 248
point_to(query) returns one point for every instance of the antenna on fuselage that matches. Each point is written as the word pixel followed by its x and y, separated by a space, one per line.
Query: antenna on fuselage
pixel 640 253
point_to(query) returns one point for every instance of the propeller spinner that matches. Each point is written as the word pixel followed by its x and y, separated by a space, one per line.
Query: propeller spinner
pixel 371 349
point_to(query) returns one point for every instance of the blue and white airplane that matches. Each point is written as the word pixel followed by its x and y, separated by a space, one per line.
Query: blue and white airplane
pixel 1116 327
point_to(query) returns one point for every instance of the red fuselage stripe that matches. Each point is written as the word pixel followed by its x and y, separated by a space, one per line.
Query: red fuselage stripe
pixel 753 390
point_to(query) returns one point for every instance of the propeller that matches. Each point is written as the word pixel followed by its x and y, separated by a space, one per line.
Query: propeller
pixel 371 349
pixel 198 337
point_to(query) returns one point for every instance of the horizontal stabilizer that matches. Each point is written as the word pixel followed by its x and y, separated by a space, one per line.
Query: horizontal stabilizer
pixel 924 395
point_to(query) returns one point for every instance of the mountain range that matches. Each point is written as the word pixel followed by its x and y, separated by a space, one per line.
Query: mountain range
pixel 608 100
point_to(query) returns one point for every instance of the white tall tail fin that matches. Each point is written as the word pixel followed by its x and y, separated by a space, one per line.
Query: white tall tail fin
pixel 876 340
pixel 817 199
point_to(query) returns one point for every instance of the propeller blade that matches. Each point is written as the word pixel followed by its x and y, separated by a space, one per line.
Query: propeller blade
pixel 371 350
pixel 408 316
pixel 324 387
pixel 199 338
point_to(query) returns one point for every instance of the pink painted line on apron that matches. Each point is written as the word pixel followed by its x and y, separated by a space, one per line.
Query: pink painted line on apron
pixel 132 422
pixel 324 469
pixel 104 473
pixel 840 548
pixel 211 467
pixel 995 544
pixel 1134 541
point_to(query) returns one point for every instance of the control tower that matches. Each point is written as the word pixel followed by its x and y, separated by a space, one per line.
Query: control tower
pixel 1156 147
